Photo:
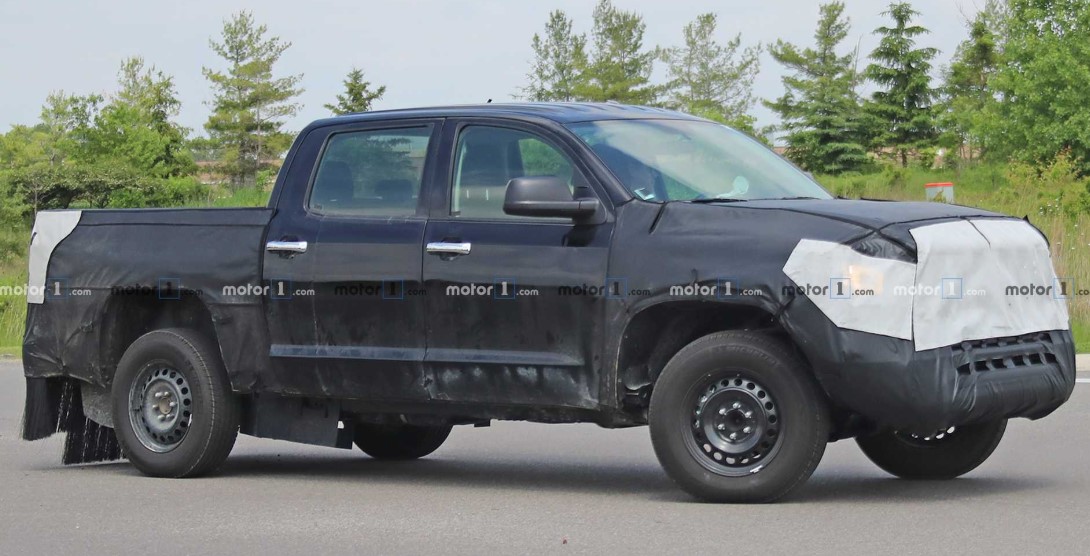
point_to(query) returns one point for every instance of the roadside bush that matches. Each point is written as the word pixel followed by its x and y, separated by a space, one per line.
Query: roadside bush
pixel 895 176
pixel 168 192
pixel 1055 187
pixel 849 186
pixel 100 185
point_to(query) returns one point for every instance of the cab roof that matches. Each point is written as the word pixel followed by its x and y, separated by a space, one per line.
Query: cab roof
pixel 560 112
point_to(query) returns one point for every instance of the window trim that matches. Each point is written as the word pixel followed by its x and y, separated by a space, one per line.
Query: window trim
pixel 441 207
pixel 426 174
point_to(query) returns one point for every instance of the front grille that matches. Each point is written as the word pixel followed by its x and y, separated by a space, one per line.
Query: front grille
pixel 996 354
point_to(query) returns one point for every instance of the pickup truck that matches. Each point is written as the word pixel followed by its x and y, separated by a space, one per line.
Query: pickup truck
pixel 424 268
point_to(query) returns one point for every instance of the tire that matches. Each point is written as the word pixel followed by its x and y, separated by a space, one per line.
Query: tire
pixel 190 438
pixel 399 442
pixel 717 386
pixel 946 455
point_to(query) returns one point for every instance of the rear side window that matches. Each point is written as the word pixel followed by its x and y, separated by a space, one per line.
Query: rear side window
pixel 489 157
pixel 371 173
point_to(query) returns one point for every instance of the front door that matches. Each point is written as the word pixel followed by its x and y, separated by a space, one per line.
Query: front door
pixel 513 303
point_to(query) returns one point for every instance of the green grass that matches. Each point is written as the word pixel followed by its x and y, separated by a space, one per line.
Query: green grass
pixel 1082 336
pixel 12 307
pixel 248 197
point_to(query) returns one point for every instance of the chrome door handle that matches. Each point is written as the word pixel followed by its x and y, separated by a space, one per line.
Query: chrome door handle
pixel 286 247
pixel 445 248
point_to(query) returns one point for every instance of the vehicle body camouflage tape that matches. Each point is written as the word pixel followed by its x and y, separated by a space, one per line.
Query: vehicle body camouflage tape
pixel 960 288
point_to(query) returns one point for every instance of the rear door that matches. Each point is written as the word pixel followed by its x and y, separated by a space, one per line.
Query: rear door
pixel 514 304
pixel 367 339
pixel 288 272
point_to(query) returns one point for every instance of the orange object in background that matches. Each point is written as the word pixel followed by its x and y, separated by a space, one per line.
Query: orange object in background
pixel 941 191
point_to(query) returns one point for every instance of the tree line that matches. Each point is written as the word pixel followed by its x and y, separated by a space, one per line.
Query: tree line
pixel 1015 89
pixel 126 149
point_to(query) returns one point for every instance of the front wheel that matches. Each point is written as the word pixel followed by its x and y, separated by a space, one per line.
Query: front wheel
pixel 736 417
pixel 400 442
pixel 945 454
pixel 173 409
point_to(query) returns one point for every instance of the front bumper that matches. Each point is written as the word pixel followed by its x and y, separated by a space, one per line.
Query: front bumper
pixel 889 383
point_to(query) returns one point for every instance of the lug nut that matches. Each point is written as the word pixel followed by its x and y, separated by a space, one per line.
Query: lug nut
pixel 748 414
pixel 722 411
pixel 162 417
pixel 733 436
pixel 747 430
pixel 158 395
pixel 721 427
pixel 736 405
pixel 173 404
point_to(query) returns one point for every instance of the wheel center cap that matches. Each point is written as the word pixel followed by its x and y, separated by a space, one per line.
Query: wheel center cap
pixel 735 421
pixel 735 425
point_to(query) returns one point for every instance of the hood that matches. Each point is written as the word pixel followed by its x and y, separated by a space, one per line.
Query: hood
pixel 839 220
pixel 869 214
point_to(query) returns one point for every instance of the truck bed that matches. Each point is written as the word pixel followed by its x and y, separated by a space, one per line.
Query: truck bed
pixel 115 263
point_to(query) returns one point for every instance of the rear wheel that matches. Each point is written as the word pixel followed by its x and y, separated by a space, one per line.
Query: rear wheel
pixel 400 442
pixel 736 417
pixel 946 454
pixel 173 410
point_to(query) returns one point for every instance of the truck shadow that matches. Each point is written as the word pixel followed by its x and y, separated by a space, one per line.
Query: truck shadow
pixel 438 471
pixel 853 489
pixel 623 479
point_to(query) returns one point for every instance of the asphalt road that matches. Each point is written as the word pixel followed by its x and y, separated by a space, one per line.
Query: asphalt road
pixel 519 488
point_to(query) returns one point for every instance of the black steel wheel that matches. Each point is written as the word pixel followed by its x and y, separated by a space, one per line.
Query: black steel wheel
pixel 161 404
pixel 400 442
pixel 173 409
pixel 735 425
pixel 737 417
pixel 944 454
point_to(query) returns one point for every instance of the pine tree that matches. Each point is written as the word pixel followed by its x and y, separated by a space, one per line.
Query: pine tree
pixel 250 104
pixel 559 57
pixel 819 109
pixel 358 95
pixel 903 110
pixel 712 80
pixel 619 68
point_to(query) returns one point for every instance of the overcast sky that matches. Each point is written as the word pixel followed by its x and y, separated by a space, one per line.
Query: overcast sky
pixel 426 52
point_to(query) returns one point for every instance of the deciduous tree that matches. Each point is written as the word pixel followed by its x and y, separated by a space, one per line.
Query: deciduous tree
pixel 137 125
pixel 1044 82
pixel 967 89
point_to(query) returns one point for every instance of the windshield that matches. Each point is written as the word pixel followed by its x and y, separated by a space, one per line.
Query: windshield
pixel 688 160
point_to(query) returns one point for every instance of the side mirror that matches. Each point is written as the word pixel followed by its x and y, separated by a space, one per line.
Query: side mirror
pixel 546 196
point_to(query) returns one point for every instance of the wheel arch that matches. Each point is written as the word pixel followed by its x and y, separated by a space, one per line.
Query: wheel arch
pixel 128 317
pixel 652 335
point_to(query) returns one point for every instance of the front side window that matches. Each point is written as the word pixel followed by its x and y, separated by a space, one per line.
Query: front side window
pixel 489 157
pixel 371 173
pixel 692 160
